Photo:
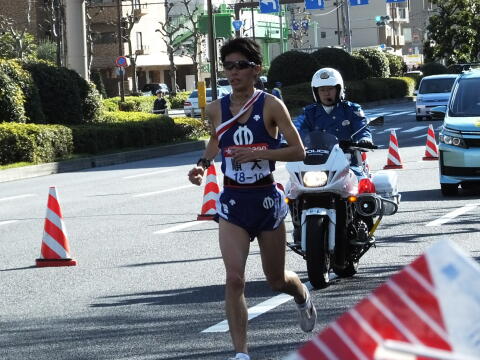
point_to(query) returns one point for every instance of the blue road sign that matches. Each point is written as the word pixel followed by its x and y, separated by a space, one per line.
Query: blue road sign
pixel 269 6
pixel 237 24
pixel 121 61
pixel 314 4
pixel 358 2
pixel 395 1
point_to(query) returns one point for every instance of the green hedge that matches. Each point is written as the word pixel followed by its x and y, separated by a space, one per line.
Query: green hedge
pixel 93 139
pixel 34 143
pixel 359 91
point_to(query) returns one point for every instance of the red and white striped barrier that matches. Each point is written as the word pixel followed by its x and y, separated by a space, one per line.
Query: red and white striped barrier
pixel 429 310
pixel 210 195
pixel 393 159
pixel 55 249
pixel 431 150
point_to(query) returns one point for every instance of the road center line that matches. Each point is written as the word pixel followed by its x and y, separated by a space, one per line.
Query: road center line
pixel 163 191
pixel 178 227
pixel 147 174
pixel 7 222
pixel 255 311
pixel 17 197
pixel 452 215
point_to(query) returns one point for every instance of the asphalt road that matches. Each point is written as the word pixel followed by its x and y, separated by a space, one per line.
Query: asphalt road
pixel 149 279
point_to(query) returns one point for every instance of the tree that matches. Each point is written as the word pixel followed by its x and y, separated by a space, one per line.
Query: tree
pixel 169 30
pixel 192 44
pixel 16 41
pixel 454 32
pixel 54 26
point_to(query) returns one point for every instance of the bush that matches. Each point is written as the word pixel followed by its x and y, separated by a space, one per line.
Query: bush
pixel 297 96
pixel 378 62
pixel 292 67
pixel 361 66
pixel 66 97
pixel 336 58
pixel 396 64
pixel 96 78
pixel 191 128
pixel 433 68
pixel 176 102
pixel 11 101
pixel 32 103
pixel 131 103
pixel 98 138
pixel 34 143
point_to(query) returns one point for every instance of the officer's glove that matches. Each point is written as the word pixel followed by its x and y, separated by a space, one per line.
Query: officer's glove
pixel 365 143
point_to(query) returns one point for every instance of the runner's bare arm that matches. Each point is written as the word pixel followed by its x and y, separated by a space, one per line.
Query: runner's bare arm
pixel 276 117
pixel 213 112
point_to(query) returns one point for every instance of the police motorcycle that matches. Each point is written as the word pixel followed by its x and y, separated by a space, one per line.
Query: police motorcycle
pixel 334 214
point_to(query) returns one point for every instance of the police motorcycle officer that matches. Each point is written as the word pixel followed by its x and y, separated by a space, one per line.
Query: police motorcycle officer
pixel 332 114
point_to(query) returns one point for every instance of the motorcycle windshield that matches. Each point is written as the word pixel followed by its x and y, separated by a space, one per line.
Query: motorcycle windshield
pixel 318 145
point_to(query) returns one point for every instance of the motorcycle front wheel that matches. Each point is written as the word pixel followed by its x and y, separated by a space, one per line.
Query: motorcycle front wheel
pixel 317 255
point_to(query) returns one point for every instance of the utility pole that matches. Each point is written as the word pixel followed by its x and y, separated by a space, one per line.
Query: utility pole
pixel 253 23
pixel 212 50
pixel 338 23
pixel 120 50
pixel 393 11
pixel 349 31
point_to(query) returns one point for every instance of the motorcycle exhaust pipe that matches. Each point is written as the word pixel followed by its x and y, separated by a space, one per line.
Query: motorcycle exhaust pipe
pixel 368 205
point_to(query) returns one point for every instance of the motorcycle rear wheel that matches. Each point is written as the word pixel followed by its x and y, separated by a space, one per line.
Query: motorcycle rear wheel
pixel 317 255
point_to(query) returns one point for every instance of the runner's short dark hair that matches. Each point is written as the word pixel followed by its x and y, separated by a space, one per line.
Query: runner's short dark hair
pixel 245 46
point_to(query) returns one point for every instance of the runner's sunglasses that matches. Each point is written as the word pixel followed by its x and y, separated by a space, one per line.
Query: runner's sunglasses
pixel 240 64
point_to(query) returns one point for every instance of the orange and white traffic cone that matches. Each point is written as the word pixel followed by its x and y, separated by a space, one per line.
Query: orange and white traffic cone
pixel 431 150
pixel 210 195
pixel 393 159
pixel 55 248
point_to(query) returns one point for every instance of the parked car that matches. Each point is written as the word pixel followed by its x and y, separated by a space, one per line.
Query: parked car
pixel 225 84
pixel 459 144
pixel 151 89
pixel 190 106
pixel 434 90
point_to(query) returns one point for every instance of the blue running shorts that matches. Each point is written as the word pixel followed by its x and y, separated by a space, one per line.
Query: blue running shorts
pixel 254 209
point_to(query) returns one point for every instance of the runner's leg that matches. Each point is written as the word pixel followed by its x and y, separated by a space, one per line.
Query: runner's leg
pixel 235 245
pixel 272 251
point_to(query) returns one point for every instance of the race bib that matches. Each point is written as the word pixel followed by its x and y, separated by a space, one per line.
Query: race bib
pixel 249 172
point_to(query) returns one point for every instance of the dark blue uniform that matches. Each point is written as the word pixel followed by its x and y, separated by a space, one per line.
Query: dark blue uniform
pixel 249 199
pixel 345 119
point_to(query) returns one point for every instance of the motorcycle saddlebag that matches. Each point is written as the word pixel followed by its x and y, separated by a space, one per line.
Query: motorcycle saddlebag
pixel 386 186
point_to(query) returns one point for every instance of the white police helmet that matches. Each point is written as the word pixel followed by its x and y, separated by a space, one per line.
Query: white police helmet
pixel 327 77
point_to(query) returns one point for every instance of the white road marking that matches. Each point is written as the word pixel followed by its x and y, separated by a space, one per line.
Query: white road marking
pixel 452 215
pixel 17 197
pixel 178 227
pixel 415 129
pixel 7 222
pixel 420 136
pixel 387 131
pixel 163 191
pixel 148 173
pixel 255 311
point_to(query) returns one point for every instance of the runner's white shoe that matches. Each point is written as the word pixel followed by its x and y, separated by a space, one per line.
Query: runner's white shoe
pixel 307 314
pixel 240 356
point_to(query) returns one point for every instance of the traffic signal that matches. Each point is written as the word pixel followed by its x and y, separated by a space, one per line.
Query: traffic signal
pixel 382 20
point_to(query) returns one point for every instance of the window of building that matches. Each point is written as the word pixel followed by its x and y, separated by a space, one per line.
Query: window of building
pixel 104 37
pixel 323 34
pixel 139 41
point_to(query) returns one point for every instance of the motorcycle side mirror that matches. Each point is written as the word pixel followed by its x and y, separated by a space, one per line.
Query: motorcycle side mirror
pixel 378 121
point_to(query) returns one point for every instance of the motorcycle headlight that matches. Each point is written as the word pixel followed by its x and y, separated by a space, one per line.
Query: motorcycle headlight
pixel 315 178
pixel 452 140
